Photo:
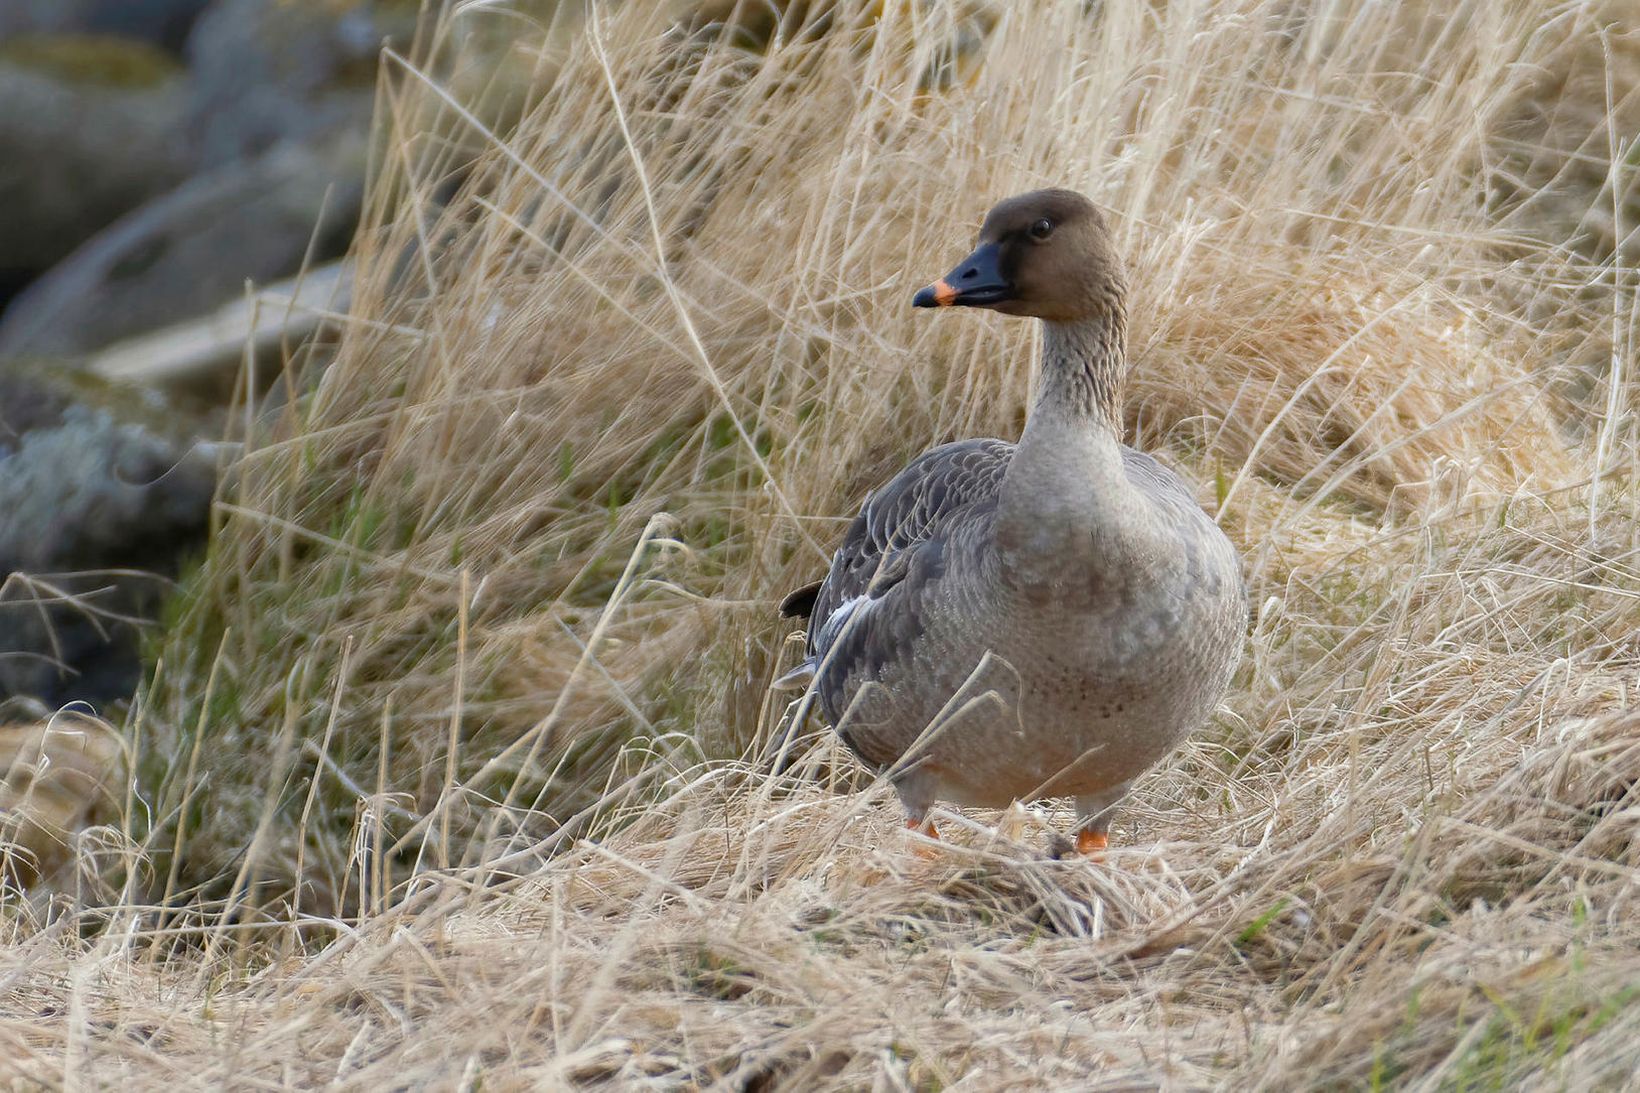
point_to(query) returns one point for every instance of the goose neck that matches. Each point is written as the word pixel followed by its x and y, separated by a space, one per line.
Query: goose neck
pixel 1082 369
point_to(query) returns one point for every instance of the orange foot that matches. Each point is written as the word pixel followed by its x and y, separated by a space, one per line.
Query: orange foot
pixel 1091 844
pixel 926 827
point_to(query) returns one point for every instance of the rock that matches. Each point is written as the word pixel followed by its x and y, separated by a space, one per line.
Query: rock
pixel 159 22
pixel 200 358
pixel 265 71
pixel 56 774
pixel 193 249
pixel 75 156
pixel 135 195
pixel 91 60
pixel 83 489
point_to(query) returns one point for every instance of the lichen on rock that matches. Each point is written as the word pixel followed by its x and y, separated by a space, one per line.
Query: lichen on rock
pixel 95 514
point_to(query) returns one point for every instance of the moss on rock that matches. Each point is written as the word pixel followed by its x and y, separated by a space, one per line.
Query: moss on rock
pixel 98 59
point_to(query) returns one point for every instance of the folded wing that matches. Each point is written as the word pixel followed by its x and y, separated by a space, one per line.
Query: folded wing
pixel 868 609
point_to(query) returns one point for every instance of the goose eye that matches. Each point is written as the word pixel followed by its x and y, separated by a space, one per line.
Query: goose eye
pixel 1041 229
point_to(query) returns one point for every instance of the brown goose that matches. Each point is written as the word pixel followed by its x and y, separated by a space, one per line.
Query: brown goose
pixel 1004 622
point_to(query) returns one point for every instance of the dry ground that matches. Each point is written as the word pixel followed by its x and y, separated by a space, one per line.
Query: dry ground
pixel 450 771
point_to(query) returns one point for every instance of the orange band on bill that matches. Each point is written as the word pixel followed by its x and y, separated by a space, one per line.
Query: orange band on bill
pixel 944 294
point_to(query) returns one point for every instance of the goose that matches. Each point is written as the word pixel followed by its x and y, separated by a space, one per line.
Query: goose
pixel 1006 622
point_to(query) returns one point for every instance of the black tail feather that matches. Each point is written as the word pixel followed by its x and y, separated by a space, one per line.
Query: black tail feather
pixel 799 603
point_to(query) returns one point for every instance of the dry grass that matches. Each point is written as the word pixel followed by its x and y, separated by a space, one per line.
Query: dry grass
pixel 449 772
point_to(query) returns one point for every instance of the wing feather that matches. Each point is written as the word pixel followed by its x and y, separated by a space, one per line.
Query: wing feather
pixel 868 610
pixel 911 508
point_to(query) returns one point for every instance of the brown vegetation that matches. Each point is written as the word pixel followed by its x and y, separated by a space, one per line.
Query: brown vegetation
pixel 449 772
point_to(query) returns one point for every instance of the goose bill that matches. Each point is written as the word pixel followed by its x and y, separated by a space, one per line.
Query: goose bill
pixel 977 281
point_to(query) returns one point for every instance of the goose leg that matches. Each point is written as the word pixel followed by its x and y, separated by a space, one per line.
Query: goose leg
pixel 917 799
pixel 1094 813
pixel 923 826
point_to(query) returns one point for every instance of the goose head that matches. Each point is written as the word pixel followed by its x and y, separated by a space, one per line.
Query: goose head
pixel 1045 254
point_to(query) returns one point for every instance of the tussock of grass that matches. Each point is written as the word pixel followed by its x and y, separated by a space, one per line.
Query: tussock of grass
pixel 449 770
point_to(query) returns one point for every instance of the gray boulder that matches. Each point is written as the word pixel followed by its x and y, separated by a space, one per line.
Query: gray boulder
pixel 162 22
pixel 266 71
pixel 193 249
pixel 126 208
pixel 75 156
pixel 88 497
